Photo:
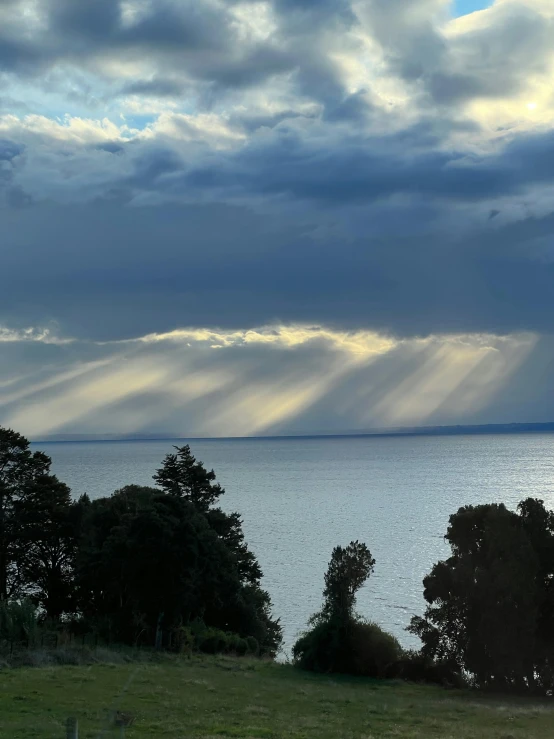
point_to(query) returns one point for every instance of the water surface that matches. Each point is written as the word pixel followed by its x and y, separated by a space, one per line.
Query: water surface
pixel 301 497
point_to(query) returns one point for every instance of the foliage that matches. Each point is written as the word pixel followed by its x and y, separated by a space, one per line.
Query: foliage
pixel 249 612
pixel 18 621
pixel 373 650
pixel 184 477
pixel 46 545
pixel 338 641
pixel 491 603
pixel 20 470
pixel 321 648
pixel 133 567
pixel 348 570
pixel 414 666
pixel 151 560
pixel 216 641
pixel 358 648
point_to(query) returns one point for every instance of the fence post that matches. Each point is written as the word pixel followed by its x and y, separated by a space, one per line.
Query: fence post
pixel 71 729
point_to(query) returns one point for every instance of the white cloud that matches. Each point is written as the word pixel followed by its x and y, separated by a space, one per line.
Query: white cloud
pixel 43 336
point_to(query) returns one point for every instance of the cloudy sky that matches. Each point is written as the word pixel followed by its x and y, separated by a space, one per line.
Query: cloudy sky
pixel 229 218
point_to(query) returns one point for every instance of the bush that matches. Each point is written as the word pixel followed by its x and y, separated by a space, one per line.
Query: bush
pixel 253 645
pixel 184 640
pixel 18 622
pixel 319 649
pixel 215 641
pixel 418 668
pixel 355 648
pixel 373 650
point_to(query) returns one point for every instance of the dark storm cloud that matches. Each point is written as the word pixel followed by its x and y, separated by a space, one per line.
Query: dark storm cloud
pixel 111 146
pixel 354 169
pixel 183 26
pixel 9 151
pixel 94 19
pixel 301 17
pixel 155 87
pixel 112 272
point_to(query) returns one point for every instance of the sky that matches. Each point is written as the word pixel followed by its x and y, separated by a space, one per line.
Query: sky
pixel 224 218
pixel 464 7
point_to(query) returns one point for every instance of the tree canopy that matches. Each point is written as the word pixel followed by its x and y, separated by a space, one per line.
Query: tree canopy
pixel 142 561
pixel 491 602
pixel 348 570
pixel 338 640
pixel 27 492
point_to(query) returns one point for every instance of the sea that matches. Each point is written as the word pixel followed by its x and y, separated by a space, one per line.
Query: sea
pixel 300 497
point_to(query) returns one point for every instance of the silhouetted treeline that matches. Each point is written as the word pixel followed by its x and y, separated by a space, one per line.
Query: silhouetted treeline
pixel 490 616
pixel 135 566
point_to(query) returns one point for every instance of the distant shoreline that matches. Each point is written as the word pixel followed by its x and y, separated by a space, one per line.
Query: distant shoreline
pixel 460 430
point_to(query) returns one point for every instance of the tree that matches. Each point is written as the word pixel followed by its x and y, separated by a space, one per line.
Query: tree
pixel 19 469
pixel 228 527
pixel 348 570
pixel 184 477
pixel 45 545
pixel 490 603
pixel 149 560
pixel 338 640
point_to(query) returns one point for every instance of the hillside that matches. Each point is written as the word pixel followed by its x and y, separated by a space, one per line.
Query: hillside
pixel 224 697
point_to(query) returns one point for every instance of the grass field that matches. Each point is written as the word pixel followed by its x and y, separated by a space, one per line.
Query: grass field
pixel 224 697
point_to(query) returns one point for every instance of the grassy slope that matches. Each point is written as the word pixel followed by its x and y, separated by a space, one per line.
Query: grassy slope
pixel 223 697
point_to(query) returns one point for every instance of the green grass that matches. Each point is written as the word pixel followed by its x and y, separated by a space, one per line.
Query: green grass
pixel 224 697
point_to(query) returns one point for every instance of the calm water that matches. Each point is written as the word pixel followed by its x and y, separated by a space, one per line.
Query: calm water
pixel 301 497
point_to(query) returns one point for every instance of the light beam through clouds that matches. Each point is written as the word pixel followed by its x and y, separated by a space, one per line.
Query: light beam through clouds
pixel 273 380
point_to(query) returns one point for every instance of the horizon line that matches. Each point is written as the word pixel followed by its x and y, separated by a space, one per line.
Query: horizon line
pixel 446 430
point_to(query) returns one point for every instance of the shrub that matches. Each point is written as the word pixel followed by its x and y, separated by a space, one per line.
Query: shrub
pixel 212 641
pixel 355 648
pixel 372 650
pixel 18 622
pixel 319 649
pixel 184 640
pixel 417 667
pixel 215 641
pixel 253 645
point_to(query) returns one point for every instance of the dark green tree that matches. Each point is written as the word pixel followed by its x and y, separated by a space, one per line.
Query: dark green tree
pixel 45 547
pixel 183 476
pixel 348 570
pixel 338 640
pixel 19 470
pixel 538 523
pixel 150 560
pixel 490 607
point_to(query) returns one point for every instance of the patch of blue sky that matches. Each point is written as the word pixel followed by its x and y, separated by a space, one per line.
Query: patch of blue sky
pixel 53 102
pixel 139 121
pixel 465 7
